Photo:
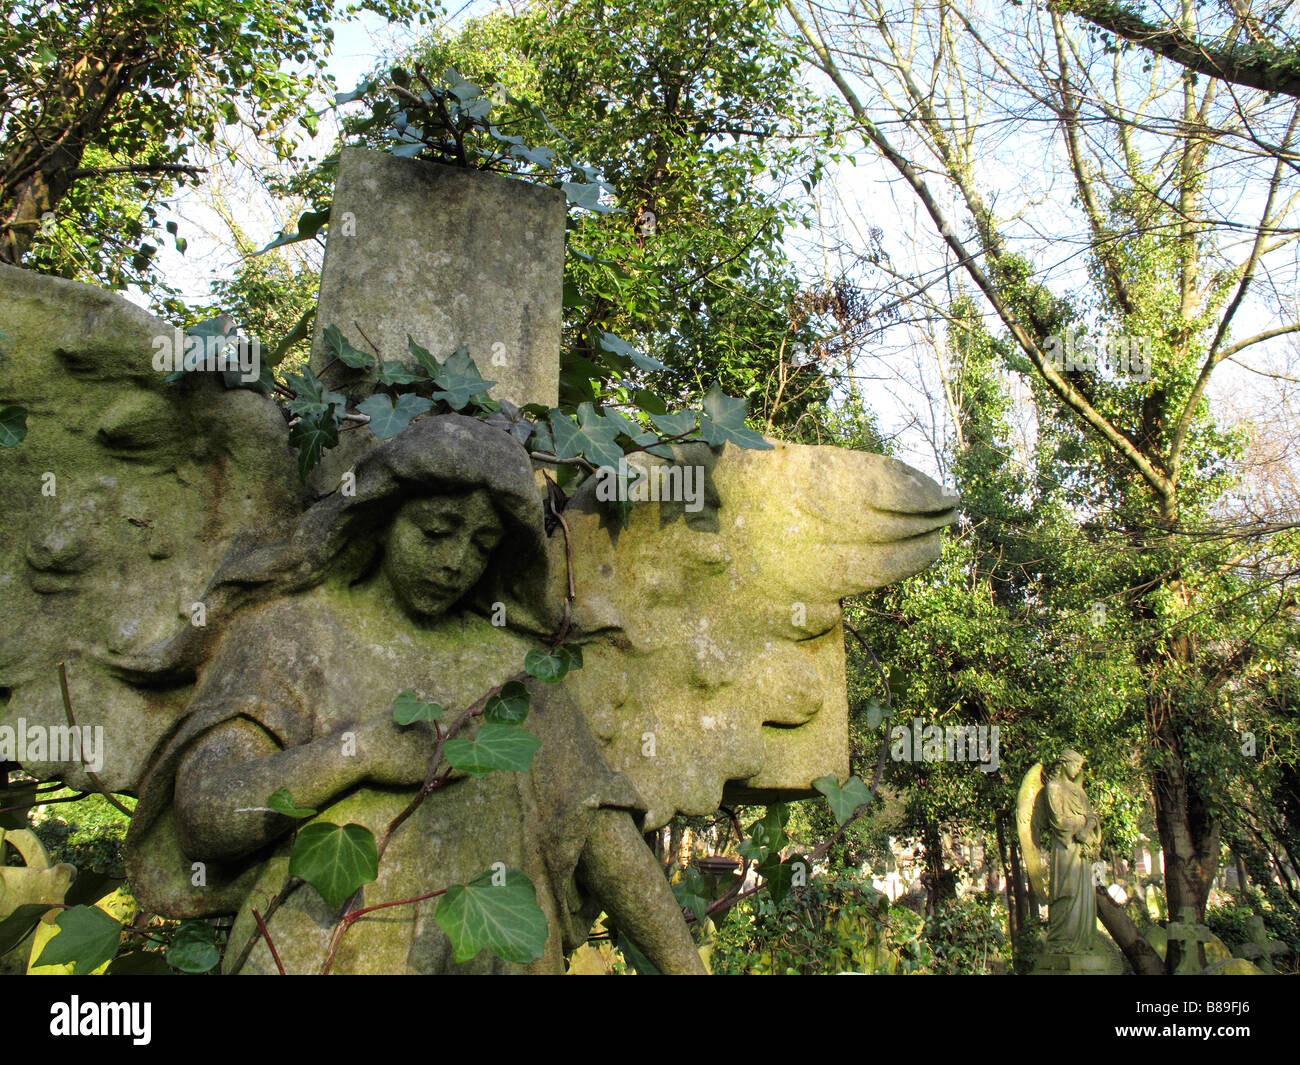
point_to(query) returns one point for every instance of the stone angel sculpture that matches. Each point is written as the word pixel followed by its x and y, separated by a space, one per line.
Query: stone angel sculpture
pixel 1053 807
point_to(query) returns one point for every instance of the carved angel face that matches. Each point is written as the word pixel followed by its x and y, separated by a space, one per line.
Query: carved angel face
pixel 437 549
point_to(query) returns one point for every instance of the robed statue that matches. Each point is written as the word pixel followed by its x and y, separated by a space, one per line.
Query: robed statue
pixel 1055 809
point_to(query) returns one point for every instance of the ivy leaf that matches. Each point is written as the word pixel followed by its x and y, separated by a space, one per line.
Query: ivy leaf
pixel 16 927
pixel 587 196
pixel 541 155
pixel 312 436
pixel 593 437
pixel 675 424
pixel 621 347
pixel 13 426
pixel 502 917
pixel 509 706
pixel 193 948
pixel 309 223
pixel 496 746
pixel 724 420
pixel 552 666
pixel 651 442
pixel 387 418
pixel 844 800
pixel 692 893
pixel 512 420
pixel 409 708
pixel 282 803
pixel 781 875
pixel 335 860
pixel 424 357
pixel 345 352
pixel 87 937
pixel 311 396
pixel 875 714
pixel 297 333
pixel 393 372
pixel 459 380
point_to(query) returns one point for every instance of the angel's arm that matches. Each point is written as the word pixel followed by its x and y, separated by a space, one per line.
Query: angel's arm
pixel 223 783
pixel 620 871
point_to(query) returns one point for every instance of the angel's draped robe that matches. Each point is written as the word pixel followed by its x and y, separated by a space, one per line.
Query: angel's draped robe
pixel 1072 908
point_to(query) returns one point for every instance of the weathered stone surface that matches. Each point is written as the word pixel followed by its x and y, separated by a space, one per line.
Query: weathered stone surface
pixel 117 506
pixel 452 257
pixel 719 629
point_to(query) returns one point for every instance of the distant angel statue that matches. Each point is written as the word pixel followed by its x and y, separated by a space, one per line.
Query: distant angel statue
pixel 1057 807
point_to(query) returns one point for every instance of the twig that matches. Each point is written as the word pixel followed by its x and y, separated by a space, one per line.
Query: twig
pixel 139 168
pixel 267 936
pixel 366 338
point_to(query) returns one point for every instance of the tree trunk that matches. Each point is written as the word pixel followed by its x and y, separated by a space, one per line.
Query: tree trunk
pixel 1140 955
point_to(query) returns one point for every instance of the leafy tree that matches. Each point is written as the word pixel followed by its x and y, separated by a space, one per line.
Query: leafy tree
pixel 93 91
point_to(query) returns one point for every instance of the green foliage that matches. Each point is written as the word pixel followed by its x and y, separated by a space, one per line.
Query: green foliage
pixel 495 911
pixel 409 708
pixel 496 746
pixel 837 923
pixel 335 859
pixel 967 936
pixel 88 937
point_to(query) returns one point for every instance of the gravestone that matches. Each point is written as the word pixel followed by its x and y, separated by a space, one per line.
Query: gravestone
pixel 1188 933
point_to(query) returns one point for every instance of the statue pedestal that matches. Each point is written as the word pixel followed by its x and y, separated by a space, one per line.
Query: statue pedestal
pixel 1076 965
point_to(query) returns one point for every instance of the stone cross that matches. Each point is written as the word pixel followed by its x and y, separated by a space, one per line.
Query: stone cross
pixel 1260 949
pixel 1187 932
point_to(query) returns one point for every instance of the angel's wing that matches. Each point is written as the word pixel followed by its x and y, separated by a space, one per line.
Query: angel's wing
pixel 117 504
pixel 1031 824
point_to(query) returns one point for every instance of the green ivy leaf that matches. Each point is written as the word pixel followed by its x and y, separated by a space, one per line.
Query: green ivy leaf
pixel 675 424
pixel 780 875
pixel 593 437
pixel 335 860
pixel 587 196
pixel 309 223
pixel 13 426
pixel 495 746
pixel 387 418
pixel 692 893
pixel 424 357
pixel 459 380
pixel 345 352
pixel 393 372
pixel 724 420
pixel 875 714
pixel 193 948
pixel 88 937
pixel 409 708
pixel 552 666
pixel 503 917
pixel 282 803
pixel 16 927
pixel 509 706
pixel 312 435
pixel 622 348
pixel 844 800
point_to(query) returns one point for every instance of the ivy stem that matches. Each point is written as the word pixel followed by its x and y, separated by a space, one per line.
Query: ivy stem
pixel 261 925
